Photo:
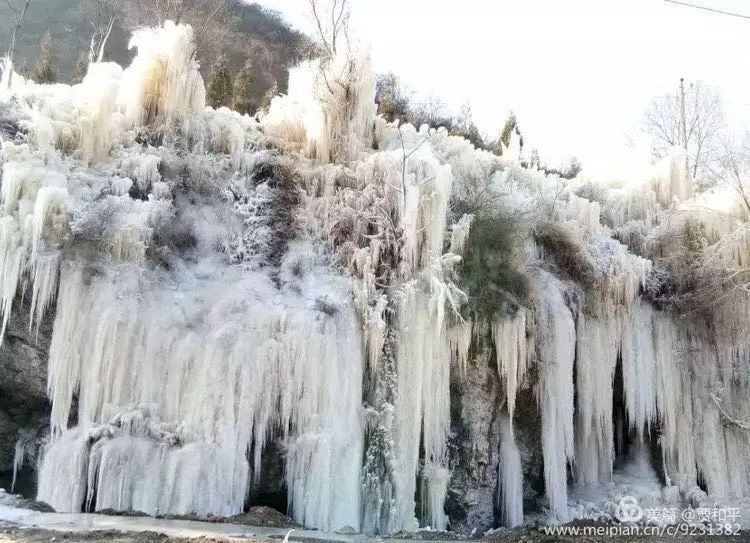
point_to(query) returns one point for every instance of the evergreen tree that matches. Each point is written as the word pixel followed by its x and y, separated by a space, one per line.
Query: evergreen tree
pixel 219 86
pixel 464 126
pixel 534 160
pixel 572 169
pixel 45 69
pixel 242 92
pixel 510 126
pixel 82 68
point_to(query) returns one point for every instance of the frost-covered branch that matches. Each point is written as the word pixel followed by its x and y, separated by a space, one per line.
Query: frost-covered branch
pixel 220 7
pixel 207 17
pixel 734 168
pixel 405 157
pixel 339 24
pixel 739 423
pixel 704 124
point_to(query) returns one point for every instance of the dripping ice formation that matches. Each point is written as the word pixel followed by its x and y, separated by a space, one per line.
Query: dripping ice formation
pixel 219 282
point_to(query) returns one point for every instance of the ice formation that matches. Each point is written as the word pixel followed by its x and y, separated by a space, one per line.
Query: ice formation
pixel 221 282
pixel 510 477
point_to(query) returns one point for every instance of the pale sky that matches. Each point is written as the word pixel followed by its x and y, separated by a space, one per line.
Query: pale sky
pixel 577 73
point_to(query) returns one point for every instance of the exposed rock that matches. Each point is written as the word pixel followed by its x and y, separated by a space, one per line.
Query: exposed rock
pixel 475 402
pixel 23 394
pixel 18 501
pixel 23 366
pixel 8 436
pixel 270 489
pixel 528 432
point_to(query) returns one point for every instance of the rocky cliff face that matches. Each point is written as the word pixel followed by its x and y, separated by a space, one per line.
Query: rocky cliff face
pixel 24 410
pixel 475 404
pixel 477 400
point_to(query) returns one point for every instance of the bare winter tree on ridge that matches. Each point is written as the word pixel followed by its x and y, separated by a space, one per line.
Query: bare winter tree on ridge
pixel 18 15
pixel 690 118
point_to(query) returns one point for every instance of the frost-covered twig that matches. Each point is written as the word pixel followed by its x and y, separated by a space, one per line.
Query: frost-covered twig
pixel 741 424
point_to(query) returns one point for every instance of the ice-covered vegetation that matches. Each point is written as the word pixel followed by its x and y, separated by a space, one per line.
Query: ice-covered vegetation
pixel 320 275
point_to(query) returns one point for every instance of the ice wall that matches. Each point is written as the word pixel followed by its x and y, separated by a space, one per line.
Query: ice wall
pixel 189 387
pixel 180 372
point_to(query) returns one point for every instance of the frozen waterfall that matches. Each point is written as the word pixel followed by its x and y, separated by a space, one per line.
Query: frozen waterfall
pixel 221 282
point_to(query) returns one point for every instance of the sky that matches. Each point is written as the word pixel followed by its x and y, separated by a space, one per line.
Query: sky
pixel 578 74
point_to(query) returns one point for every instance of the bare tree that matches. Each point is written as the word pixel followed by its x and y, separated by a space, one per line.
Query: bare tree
pixel 734 167
pixel 431 111
pixel 170 10
pixel 18 15
pixel 331 23
pixel 207 17
pixel 698 130
pixel 103 21
pixel 338 70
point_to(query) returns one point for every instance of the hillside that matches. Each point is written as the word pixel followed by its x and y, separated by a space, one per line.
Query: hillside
pixel 247 31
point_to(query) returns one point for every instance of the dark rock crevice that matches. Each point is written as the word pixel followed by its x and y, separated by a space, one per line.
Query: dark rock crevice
pixel 24 408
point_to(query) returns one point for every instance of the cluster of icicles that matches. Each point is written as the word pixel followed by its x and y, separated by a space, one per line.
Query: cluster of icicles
pixel 182 376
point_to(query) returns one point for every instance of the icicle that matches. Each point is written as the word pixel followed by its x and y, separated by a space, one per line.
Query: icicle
pixel 46 270
pixel 597 349
pixel 639 367
pixel 97 103
pixel 120 186
pixel 146 350
pixel 672 182
pixel 299 370
pixel 15 175
pixel 50 210
pixel 460 234
pixel 459 338
pixel 510 476
pixel 23 451
pixel 509 336
pixel 63 473
pixel 584 214
pixel 63 377
pixel 435 489
pixel 556 346
pixel 422 409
